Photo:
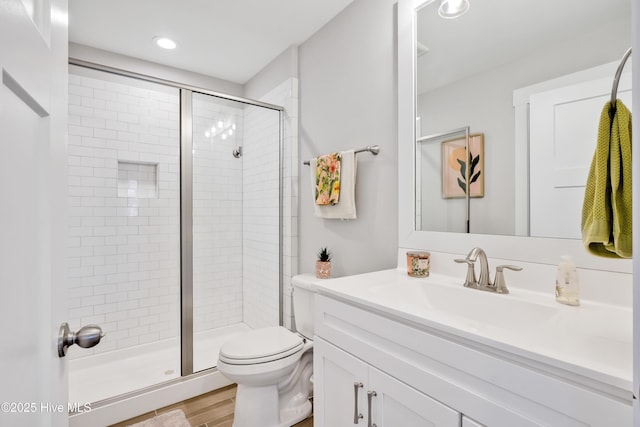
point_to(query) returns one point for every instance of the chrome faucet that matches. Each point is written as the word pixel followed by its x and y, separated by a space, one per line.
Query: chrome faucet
pixel 484 281
pixel 478 254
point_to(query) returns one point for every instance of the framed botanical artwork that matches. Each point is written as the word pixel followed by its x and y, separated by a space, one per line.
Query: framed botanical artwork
pixel 454 167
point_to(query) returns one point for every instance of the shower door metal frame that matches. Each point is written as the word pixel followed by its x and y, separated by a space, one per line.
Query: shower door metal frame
pixel 186 232
pixel 186 198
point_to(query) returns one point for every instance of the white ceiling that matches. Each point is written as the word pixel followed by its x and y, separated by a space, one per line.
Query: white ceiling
pixel 228 39
pixel 497 32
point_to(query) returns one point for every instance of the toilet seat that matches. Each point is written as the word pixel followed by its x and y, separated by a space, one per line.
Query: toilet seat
pixel 261 346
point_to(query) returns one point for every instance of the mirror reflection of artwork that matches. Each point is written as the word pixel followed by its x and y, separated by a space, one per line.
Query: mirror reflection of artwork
pixel 457 165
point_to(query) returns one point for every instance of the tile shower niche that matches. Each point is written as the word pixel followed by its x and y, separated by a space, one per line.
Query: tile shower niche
pixel 136 179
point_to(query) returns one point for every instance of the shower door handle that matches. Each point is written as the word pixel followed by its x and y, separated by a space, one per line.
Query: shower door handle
pixel 86 337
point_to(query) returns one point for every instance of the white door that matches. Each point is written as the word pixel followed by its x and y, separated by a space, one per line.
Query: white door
pixel 394 403
pixel 33 123
pixel 339 399
pixel 564 130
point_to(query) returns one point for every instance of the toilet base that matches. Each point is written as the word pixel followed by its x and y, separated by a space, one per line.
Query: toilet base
pixel 258 406
pixel 295 415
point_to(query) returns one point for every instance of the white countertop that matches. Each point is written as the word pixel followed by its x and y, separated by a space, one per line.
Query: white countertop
pixel 593 340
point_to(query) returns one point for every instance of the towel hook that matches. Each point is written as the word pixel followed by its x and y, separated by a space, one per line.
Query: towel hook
pixel 616 80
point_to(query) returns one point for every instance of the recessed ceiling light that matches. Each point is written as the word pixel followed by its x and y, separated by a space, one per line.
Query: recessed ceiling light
pixel 165 43
pixel 451 9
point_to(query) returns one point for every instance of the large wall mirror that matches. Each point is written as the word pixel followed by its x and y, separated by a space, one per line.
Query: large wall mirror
pixel 531 79
pixel 522 86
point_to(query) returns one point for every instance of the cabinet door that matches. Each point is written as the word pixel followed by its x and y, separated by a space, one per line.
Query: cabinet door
pixel 396 404
pixel 335 373
pixel 468 422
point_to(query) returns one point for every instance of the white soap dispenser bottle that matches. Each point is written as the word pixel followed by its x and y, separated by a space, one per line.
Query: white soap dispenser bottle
pixel 567 283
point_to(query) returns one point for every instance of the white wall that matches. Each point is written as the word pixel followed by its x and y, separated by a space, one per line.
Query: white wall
pixel 273 74
pixel 348 100
pixel 128 63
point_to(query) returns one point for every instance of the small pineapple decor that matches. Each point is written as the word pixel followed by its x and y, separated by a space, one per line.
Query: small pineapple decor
pixel 323 264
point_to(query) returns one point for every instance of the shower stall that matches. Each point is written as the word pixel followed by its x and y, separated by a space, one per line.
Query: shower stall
pixel 175 227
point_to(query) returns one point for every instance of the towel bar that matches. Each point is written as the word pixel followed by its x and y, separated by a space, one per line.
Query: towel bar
pixel 616 80
pixel 373 149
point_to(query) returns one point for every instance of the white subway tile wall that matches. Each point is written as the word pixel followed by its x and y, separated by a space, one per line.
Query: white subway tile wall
pixel 124 210
pixel 261 215
pixel 286 94
pixel 217 212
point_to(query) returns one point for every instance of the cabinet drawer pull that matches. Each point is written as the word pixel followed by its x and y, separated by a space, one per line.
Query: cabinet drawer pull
pixel 356 415
pixel 370 395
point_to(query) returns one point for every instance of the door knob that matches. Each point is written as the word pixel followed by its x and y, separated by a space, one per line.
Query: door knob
pixel 86 337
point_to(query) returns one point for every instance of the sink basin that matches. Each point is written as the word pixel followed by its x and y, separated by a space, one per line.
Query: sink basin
pixel 593 339
pixel 476 309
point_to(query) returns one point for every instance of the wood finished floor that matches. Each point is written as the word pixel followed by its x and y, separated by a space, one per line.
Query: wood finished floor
pixel 213 409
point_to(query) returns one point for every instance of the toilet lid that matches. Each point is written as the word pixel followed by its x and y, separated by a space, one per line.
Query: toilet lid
pixel 260 346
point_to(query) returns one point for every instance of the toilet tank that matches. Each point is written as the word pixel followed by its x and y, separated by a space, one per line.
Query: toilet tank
pixel 303 292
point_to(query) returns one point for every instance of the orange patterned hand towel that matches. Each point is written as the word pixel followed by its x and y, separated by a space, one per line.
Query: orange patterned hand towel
pixel 328 179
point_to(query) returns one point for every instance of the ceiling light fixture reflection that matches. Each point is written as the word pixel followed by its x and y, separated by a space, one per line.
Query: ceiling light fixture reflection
pixel 165 43
pixel 450 9
pixel 223 129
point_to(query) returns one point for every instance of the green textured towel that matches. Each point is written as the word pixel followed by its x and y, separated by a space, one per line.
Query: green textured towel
pixel 606 212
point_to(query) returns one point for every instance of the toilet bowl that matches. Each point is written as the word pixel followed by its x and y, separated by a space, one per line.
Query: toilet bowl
pixel 273 367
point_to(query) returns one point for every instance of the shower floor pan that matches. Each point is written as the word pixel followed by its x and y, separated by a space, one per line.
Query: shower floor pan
pixel 106 375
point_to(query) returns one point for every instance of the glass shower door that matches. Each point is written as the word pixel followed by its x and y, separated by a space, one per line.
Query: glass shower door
pixel 235 222
pixel 124 232
pixel 163 219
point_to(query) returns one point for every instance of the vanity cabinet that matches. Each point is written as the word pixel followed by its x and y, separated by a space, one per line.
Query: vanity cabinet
pixel 425 374
pixel 349 391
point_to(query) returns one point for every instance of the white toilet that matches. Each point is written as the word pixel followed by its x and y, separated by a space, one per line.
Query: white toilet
pixel 273 366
